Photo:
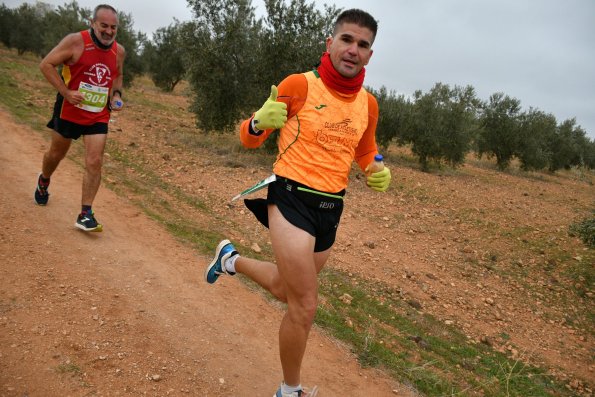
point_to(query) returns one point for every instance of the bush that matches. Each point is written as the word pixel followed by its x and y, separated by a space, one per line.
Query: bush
pixel 585 230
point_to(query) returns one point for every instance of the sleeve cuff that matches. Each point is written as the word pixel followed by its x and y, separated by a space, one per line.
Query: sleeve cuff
pixel 252 130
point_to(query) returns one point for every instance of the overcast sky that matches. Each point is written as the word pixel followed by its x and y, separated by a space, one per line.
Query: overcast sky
pixel 541 52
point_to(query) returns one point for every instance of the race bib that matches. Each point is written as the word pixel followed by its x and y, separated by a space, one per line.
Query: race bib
pixel 95 97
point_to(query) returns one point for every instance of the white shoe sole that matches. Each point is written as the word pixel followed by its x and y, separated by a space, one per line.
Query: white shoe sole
pixel 214 261
pixel 97 229
pixel 309 393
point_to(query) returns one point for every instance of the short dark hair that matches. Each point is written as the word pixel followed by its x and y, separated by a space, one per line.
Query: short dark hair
pixel 358 17
pixel 103 6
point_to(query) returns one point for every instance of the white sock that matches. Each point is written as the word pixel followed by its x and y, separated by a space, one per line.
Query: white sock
pixel 230 263
pixel 286 389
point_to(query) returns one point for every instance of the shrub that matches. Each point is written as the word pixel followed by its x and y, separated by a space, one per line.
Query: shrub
pixel 585 229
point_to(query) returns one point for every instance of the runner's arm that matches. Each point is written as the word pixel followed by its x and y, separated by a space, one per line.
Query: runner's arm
pixel 67 51
pixel 367 148
pixel 292 91
pixel 119 80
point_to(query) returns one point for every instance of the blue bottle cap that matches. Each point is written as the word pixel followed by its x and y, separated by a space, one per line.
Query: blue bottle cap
pixel 378 157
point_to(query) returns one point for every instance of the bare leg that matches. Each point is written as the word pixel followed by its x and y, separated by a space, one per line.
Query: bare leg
pixel 94 148
pixel 294 280
pixel 58 149
pixel 298 268
pixel 263 273
pixel 266 274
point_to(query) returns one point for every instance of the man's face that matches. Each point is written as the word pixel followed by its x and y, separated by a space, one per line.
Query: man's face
pixel 350 48
pixel 105 26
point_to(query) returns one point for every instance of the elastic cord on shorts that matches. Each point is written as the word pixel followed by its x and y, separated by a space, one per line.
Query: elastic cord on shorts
pixel 304 189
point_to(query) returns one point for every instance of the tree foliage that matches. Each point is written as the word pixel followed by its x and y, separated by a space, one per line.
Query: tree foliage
pixel 164 56
pixel 293 38
pixel 590 154
pixel 27 28
pixel 6 19
pixel 498 136
pixel 394 112
pixel 132 42
pixel 441 124
pixel 59 22
pixel 568 146
pixel 222 48
pixel 235 57
pixel 536 129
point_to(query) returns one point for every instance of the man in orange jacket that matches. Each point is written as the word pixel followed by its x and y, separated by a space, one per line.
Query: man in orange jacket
pixel 326 120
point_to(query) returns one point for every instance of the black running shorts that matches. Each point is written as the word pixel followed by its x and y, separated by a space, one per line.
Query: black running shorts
pixel 71 130
pixel 315 212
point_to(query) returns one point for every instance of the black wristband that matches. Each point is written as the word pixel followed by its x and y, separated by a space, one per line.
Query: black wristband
pixel 118 91
pixel 252 130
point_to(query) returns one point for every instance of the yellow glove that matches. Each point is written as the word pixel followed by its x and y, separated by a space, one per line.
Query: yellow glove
pixel 380 180
pixel 272 114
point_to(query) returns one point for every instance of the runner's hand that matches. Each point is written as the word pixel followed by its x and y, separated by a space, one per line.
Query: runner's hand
pixel 380 180
pixel 74 97
pixel 116 103
pixel 272 114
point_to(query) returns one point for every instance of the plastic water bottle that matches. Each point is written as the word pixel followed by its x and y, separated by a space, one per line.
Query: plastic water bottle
pixel 376 165
pixel 117 104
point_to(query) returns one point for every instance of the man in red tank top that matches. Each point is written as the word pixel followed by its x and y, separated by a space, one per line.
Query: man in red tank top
pixel 89 88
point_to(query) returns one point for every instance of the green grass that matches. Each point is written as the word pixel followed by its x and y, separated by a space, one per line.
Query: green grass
pixel 10 95
pixel 21 86
pixel 69 368
pixel 73 370
pixel 436 359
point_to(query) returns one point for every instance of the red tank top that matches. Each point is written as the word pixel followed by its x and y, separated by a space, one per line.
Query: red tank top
pixel 93 75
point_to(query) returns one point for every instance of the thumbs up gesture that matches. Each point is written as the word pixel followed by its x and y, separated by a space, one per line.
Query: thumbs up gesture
pixel 272 114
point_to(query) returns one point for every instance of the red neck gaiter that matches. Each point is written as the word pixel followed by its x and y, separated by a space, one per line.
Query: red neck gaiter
pixel 335 80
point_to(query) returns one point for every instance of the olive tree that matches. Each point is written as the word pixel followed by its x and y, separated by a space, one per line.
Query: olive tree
pixel 499 129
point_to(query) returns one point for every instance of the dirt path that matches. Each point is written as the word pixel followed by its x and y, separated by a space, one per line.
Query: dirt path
pixel 125 312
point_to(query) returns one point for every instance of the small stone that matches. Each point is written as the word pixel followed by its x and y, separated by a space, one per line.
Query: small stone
pixel 256 248
pixel 414 304
pixel 346 298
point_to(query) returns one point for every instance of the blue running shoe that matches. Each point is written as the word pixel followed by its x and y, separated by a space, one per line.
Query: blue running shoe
pixel 299 393
pixel 216 268
pixel 88 223
pixel 41 193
